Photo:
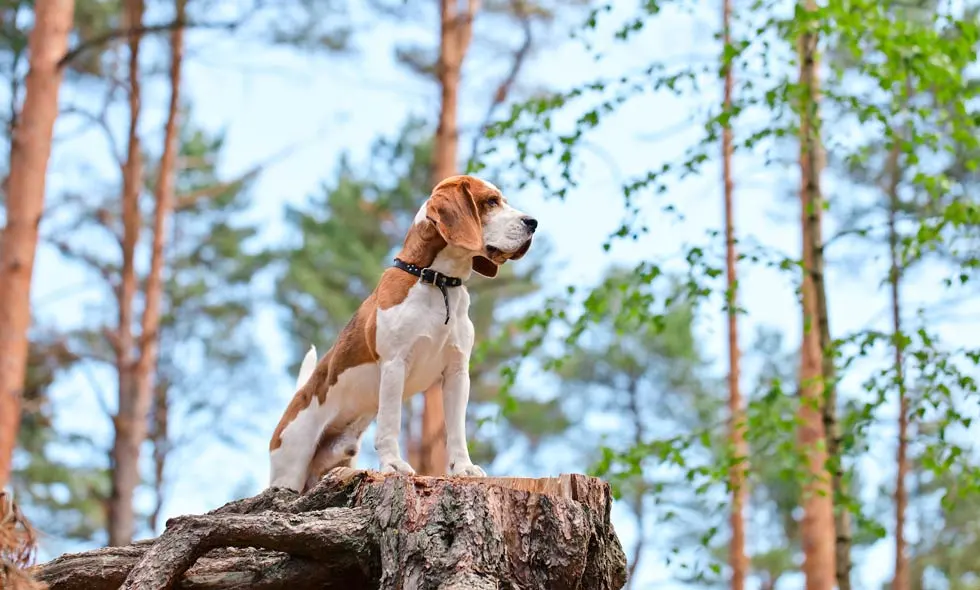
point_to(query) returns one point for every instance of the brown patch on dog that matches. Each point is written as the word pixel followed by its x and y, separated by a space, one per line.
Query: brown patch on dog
pixel 456 215
pixel 355 346
pixel 422 244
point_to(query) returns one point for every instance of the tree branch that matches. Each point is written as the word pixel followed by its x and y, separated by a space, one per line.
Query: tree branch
pixel 116 34
pixel 104 269
pixel 190 198
pixel 97 391
pixel 503 90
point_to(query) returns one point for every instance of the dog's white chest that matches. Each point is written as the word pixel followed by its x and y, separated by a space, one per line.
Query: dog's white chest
pixel 426 364
pixel 416 332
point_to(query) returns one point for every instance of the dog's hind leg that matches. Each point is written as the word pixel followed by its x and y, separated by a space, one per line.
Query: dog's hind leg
pixel 336 448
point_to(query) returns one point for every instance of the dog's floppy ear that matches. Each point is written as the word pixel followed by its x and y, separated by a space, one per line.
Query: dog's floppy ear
pixel 453 211
pixel 485 266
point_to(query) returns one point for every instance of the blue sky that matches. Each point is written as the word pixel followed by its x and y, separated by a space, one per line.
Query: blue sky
pixel 269 100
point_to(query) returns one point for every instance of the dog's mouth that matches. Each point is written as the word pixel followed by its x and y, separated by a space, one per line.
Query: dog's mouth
pixel 498 256
pixel 521 251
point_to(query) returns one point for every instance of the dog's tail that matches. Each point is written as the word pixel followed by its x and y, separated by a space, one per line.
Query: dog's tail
pixel 306 369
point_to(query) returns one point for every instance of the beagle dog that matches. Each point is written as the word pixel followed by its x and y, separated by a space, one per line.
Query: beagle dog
pixel 412 332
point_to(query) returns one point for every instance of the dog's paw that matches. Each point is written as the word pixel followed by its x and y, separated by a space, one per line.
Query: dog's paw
pixel 397 466
pixel 466 470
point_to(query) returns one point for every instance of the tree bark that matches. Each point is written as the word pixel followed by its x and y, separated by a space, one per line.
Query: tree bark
pixel 30 150
pixel 818 526
pixel 902 578
pixel 359 529
pixel 455 33
pixel 821 318
pixel 130 420
pixel 737 559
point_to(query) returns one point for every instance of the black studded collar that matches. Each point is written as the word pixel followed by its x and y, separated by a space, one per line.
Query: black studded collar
pixel 432 277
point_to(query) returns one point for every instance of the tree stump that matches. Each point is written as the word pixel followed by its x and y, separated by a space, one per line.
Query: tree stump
pixel 368 530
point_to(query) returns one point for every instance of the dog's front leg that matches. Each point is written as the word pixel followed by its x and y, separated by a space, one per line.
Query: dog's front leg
pixel 455 396
pixel 390 395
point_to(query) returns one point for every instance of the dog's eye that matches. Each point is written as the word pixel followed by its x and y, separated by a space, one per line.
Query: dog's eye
pixel 493 202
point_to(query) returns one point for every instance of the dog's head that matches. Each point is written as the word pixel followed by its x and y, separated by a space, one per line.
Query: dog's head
pixel 473 215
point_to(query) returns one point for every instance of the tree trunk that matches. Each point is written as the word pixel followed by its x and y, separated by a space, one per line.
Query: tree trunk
pixel 150 331
pixel 130 421
pixel 818 528
pixel 455 32
pixel 901 581
pixel 30 149
pixel 828 370
pixel 639 493
pixel 366 530
pixel 737 559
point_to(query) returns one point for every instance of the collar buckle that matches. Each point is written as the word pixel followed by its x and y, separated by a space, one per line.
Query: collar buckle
pixel 432 277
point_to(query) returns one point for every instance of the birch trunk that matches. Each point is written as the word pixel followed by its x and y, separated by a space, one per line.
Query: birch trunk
pixel 817 527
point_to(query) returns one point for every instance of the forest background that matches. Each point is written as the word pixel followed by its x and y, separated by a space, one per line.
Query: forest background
pixel 304 135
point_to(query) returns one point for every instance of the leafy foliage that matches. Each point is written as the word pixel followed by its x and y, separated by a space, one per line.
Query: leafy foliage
pixel 881 58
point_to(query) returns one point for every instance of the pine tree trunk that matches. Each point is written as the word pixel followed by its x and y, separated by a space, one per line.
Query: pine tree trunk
pixel 130 421
pixel 150 331
pixel 455 31
pixel 30 150
pixel 817 528
pixel 901 581
pixel 737 559
pixel 366 530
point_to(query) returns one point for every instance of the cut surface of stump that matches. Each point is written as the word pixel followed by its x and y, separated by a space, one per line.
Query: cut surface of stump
pixel 368 530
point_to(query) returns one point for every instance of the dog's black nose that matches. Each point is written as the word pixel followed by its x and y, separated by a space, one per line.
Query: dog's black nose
pixel 531 223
